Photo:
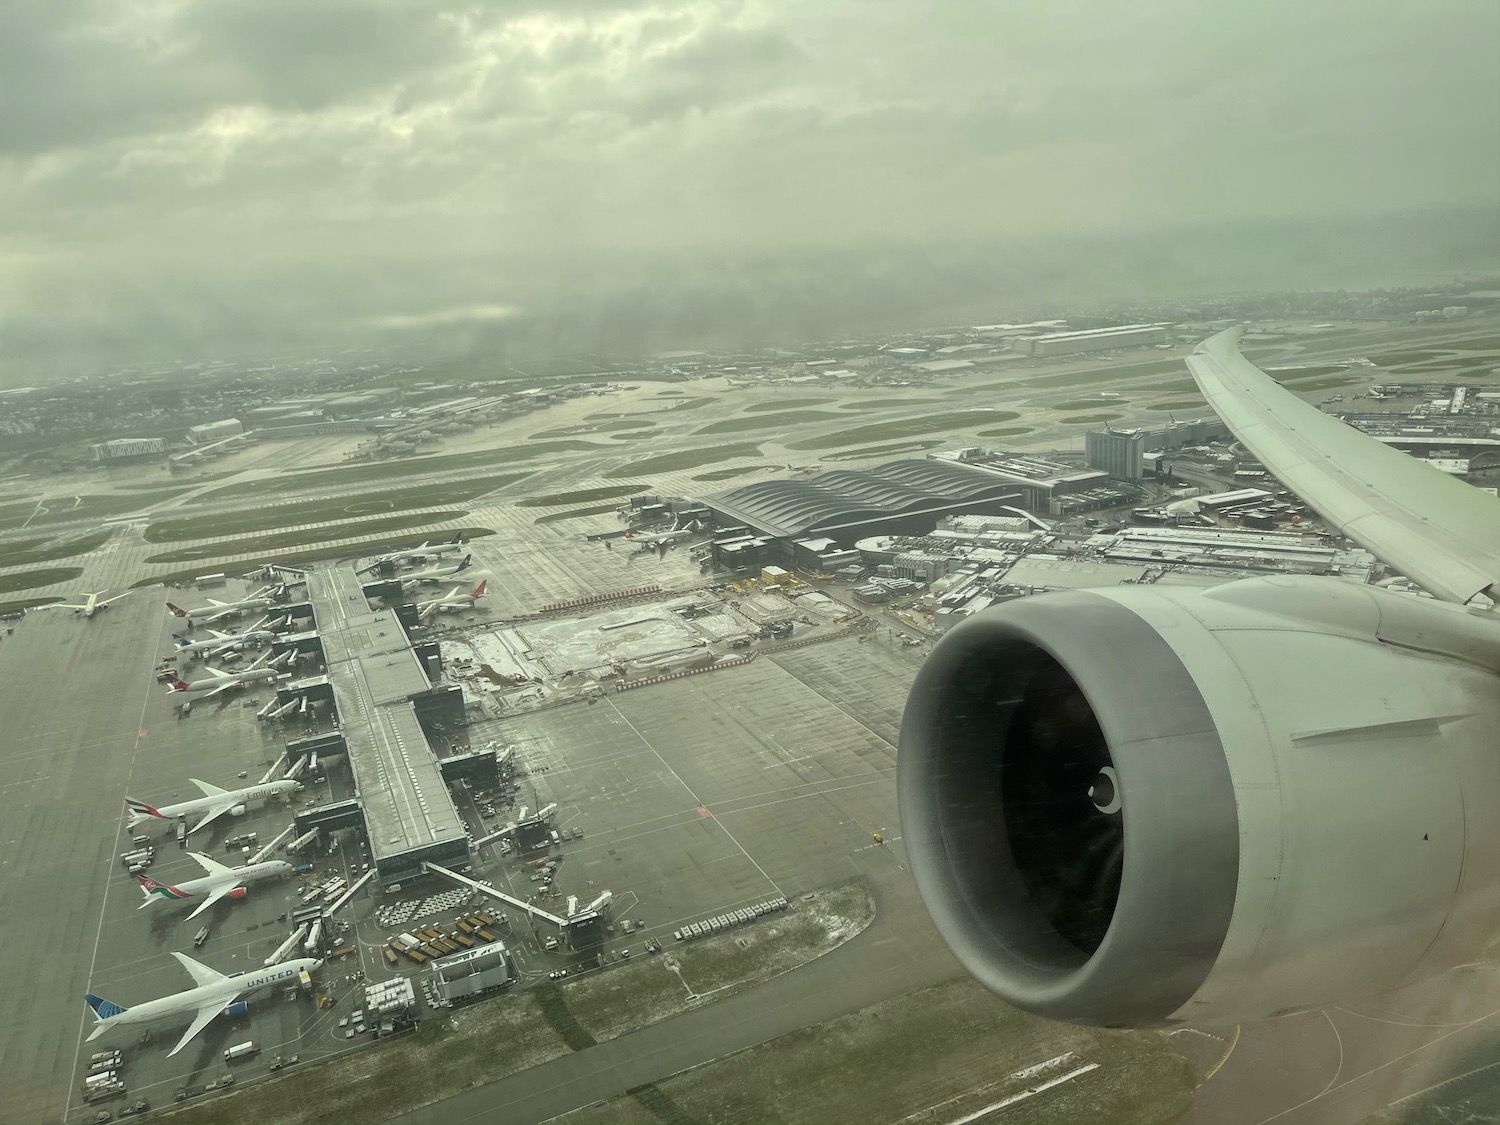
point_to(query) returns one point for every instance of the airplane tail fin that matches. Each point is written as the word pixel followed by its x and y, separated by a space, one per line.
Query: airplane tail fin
pixel 141 812
pixel 176 684
pixel 478 591
pixel 103 1009
pixel 465 564
pixel 180 641
pixel 177 610
pixel 458 537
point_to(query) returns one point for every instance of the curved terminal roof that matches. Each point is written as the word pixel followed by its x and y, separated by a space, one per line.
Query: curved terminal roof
pixel 853 496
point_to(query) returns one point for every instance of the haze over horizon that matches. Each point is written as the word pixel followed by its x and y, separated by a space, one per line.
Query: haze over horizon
pixel 179 179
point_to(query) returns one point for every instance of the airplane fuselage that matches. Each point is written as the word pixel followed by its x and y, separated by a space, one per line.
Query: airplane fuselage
pixel 223 992
pixel 197 888
pixel 204 804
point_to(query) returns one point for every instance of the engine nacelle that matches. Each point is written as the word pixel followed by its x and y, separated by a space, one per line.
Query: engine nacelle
pixel 238 810
pixel 238 892
pixel 1139 806
pixel 237 1009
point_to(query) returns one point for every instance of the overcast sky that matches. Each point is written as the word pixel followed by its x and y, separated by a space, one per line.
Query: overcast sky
pixel 182 176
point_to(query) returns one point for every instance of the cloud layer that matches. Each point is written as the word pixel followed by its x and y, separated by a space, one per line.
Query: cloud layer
pixel 178 175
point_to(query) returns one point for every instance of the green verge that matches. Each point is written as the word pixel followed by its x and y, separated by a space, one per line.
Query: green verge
pixel 881 450
pixel 328 533
pixel 685 459
pixel 579 496
pixel 31 579
pixel 785 404
pixel 340 508
pixel 930 1056
pixel 889 403
pixel 1006 431
pixel 735 471
pixel 576 513
pixel 906 427
pixel 1106 374
pixel 1090 404
pixel 294 558
pixel 1165 407
pixel 766 421
pixel 24 552
pixel 1091 419
pixel 635 423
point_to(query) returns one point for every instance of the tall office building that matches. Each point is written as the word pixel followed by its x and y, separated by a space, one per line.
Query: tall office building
pixel 1118 452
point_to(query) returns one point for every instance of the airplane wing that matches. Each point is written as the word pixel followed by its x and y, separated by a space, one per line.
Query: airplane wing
pixel 219 672
pixel 209 790
pixel 200 972
pixel 212 814
pixel 214 896
pixel 117 597
pixel 1440 532
pixel 200 1021
pixel 210 865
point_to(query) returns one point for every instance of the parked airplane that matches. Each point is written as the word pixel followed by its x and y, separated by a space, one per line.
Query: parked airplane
pixel 218 611
pixel 1286 774
pixel 220 882
pixel 215 802
pixel 647 540
pixel 90 605
pixel 213 993
pixel 221 642
pixel 420 551
pixel 435 574
pixel 218 681
pixel 455 600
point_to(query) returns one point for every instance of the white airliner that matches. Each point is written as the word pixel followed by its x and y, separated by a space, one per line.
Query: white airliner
pixel 436 573
pixel 456 599
pixel 221 642
pixel 1166 806
pixel 214 993
pixel 90 605
pixel 220 882
pixel 420 551
pixel 218 611
pixel 217 681
pixel 215 802
pixel 646 541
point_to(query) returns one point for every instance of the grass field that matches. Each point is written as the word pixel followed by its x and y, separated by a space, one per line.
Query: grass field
pixel 281 516
pixel 31 579
pixel 906 427
pixel 1106 374
pixel 685 459
pixel 1006 431
pixel 1297 374
pixel 282 540
pixel 881 450
pixel 24 552
pixel 1091 419
pixel 766 421
pixel 576 513
pixel 735 471
pixel 1167 407
pixel 579 496
pixel 308 554
pixel 63 509
pixel 1090 404
pixel 623 423
pixel 931 1056
pixel 889 403
pixel 785 404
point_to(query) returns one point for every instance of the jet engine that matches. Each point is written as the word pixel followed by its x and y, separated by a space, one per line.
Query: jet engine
pixel 1141 806
pixel 238 810
pixel 238 892
pixel 237 1009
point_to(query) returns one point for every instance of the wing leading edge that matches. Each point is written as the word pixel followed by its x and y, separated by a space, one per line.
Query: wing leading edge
pixel 1440 532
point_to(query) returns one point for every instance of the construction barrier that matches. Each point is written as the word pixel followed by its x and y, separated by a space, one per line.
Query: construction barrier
pixel 596 599
pixel 732 662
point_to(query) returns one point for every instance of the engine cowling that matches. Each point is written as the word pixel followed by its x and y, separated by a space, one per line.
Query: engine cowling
pixel 1140 806
pixel 238 810
pixel 238 892
pixel 237 1009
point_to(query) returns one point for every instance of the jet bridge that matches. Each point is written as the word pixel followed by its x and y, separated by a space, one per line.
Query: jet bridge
pixel 582 929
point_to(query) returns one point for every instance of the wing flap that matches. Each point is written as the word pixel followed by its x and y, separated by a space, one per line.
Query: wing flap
pixel 1440 532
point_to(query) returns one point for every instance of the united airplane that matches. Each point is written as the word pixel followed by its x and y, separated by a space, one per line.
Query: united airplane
pixel 436 573
pixel 219 882
pixel 221 642
pixel 213 993
pixel 456 599
pixel 215 802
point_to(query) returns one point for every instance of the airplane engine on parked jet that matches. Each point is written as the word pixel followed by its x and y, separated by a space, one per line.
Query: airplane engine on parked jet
pixel 237 1009
pixel 238 892
pixel 1141 806
pixel 238 810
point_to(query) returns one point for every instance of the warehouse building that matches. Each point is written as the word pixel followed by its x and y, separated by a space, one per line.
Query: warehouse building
pixel 122 449
pixel 215 431
pixel 1094 340
pixel 462 975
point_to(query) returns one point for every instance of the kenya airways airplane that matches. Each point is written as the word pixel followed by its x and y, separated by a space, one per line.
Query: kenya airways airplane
pixel 215 802
pixel 220 882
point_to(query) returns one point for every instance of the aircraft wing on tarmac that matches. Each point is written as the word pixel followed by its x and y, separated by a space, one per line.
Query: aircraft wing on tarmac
pixel 1442 533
